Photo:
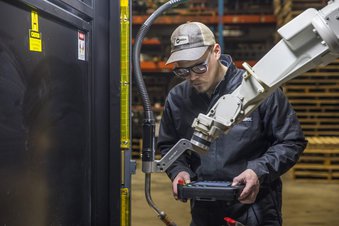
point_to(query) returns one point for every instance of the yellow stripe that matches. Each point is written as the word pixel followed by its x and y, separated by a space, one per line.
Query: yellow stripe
pixel 124 103
pixel 125 207
pixel 125 76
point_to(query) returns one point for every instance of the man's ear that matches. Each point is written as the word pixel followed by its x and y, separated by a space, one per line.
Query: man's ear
pixel 217 51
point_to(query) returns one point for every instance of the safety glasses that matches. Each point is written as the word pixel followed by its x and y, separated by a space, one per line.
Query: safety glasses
pixel 200 68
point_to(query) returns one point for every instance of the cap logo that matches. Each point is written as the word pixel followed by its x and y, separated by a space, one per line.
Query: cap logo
pixel 180 40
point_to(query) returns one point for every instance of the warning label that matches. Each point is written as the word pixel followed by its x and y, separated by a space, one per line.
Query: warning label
pixel 81 46
pixel 35 41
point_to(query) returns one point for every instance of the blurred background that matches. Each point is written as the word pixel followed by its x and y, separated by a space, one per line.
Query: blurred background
pixel 246 30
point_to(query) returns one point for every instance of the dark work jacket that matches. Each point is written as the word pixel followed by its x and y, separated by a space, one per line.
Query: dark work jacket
pixel 269 141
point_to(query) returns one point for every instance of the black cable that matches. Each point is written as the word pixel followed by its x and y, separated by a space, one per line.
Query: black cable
pixel 149 120
pixel 136 53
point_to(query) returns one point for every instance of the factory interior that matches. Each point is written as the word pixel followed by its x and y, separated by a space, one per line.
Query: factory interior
pixel 84 85
pixel 250 28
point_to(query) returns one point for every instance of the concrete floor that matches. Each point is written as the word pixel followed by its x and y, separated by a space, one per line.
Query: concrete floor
pixel 305 203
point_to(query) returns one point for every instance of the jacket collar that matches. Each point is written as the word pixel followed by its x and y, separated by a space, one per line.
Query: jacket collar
pixel 224 85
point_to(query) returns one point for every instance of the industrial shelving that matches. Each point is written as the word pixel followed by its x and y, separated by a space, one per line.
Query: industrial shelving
pixel 228 19
pixel 315 97
pixel 247 36
pixel 160 66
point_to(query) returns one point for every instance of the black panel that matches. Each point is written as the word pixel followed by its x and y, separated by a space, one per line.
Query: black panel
pixel 100 117
pixel 106 158
pixel 115 155
pixel 44 123
pixel 59 116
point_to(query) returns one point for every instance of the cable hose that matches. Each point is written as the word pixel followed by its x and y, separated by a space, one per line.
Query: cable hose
pixel 149 122
pixel 136 55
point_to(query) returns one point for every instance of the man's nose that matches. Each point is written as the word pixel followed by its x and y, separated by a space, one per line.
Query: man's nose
pixel 193 76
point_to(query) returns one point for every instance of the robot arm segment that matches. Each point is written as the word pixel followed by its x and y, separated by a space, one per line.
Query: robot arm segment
pixel 173 154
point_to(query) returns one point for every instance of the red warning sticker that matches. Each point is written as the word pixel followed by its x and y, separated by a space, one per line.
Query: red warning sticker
pixel 81 46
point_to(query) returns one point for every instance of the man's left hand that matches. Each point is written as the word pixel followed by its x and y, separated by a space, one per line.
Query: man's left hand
pixel 250 179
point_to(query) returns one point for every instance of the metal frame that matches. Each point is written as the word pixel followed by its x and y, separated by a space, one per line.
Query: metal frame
pixel 79 18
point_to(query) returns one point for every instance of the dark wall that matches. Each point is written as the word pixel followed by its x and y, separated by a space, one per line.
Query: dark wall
pixel 56 153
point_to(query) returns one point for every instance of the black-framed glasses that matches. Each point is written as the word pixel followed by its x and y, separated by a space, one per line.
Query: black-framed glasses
pixel 199 68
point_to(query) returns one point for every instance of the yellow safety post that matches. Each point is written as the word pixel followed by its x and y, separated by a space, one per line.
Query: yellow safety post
pixel 125 143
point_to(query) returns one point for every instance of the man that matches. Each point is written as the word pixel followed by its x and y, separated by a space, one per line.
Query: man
pixel 255 152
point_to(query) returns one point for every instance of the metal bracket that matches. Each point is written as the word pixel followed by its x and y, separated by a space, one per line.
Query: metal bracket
pixel 173 154
pixel 132 166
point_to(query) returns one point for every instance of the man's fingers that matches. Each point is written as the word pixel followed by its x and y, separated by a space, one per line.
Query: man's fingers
pixel 175 189
pixel 249 194
pixel 245 192
pixel 249 199
pixel 239 180
pixel 184 177
pixel 251 189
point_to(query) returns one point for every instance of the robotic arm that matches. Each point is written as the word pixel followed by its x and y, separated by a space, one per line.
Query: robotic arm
pixel 309 40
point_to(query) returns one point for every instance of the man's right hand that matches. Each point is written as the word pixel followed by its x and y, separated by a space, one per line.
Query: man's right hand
pixel 183 175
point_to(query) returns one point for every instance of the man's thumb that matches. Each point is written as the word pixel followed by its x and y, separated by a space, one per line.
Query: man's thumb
pixel 187 179
pixel 235 181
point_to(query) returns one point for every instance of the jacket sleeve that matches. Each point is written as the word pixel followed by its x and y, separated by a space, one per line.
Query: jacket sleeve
pixel 168 137
pixel 287 139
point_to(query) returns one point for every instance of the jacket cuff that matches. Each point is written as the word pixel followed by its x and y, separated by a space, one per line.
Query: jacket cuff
pixel 260 170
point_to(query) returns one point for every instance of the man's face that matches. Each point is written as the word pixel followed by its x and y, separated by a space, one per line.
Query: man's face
pixel 204 82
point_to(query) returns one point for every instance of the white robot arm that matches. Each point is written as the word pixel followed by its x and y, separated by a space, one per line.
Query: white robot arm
pixel 309 40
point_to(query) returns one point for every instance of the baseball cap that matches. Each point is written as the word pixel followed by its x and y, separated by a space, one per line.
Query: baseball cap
pixel 190 41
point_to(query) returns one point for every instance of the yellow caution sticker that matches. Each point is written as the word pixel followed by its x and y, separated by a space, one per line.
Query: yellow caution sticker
pixel 35 43
pixel 35 21
pixel 35 40
pixel 124 3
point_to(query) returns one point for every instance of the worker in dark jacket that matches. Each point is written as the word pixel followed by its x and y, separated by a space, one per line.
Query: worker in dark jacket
pixel 255 152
